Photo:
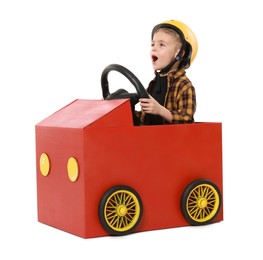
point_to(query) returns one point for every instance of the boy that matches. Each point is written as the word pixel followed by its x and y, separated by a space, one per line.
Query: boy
pixel 172 95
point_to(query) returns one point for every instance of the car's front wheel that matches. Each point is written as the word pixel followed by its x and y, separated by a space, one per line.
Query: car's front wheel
pixel 120 210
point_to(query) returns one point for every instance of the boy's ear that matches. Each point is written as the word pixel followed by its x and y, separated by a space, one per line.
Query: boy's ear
pixel 179 55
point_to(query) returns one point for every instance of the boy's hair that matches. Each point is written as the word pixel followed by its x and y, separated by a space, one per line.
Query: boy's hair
pixel 172 33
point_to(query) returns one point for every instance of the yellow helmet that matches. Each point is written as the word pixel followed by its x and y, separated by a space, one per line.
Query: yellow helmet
pixel 188 37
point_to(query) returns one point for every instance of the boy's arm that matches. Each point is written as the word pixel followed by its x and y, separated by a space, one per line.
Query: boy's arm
pixel 186 107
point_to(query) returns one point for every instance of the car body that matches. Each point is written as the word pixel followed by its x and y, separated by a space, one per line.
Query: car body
pixel 98 174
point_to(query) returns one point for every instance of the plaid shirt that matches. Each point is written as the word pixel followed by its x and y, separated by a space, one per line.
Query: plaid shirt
pixel 180 98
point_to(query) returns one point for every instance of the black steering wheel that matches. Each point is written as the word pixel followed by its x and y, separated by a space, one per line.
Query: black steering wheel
pixel 122 93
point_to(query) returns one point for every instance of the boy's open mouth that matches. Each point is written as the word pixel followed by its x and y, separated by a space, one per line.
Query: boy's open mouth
pixel 154 58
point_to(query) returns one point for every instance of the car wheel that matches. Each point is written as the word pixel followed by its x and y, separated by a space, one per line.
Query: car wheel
pixel 120 210
pixel 200 202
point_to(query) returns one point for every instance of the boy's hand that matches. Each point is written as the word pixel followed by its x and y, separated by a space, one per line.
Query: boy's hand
pixel 150 105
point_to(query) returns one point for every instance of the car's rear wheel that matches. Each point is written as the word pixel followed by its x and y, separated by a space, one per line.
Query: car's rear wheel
pixel 120 210
pixel 200 202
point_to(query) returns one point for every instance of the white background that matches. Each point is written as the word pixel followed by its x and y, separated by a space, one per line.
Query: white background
pixel 52 52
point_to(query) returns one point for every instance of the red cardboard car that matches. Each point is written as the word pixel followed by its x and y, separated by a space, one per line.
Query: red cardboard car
pixel 100 173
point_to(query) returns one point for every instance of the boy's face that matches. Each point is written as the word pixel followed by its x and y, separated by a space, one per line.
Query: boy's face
pixel 164 49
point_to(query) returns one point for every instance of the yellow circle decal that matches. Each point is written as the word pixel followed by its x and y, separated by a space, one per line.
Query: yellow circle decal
pixel 44 164
pixel 73 169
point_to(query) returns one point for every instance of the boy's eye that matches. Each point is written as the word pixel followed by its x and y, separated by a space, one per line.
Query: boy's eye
pixel 158 44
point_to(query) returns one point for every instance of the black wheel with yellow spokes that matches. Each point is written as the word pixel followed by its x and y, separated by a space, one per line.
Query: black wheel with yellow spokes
pixel 120 210
pixel 200 202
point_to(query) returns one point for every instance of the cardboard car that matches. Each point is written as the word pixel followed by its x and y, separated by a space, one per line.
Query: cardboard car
pixel 101 173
